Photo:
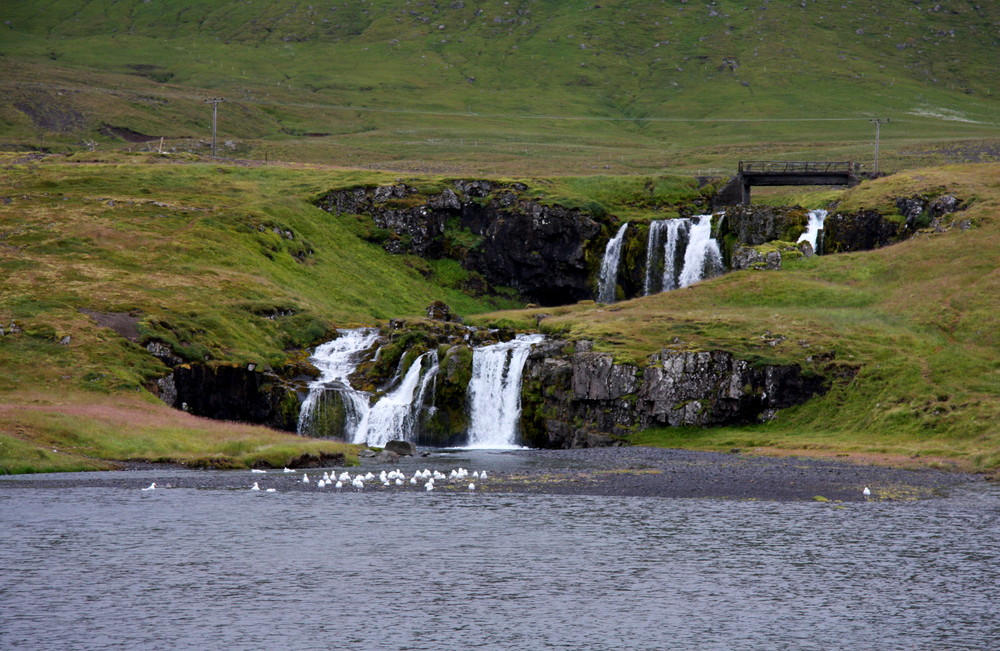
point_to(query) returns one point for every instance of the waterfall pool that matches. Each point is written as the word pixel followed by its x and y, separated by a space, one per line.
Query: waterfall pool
pixel 92 561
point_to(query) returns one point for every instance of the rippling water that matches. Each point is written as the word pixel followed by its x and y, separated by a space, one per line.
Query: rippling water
pixel 197 568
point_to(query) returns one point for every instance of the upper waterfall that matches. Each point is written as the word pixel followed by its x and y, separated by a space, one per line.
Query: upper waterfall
pixel 702 256
pixel 815 225
pixel 608 278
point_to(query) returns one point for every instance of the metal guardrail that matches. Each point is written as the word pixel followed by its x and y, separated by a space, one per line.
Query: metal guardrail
pixel 798 167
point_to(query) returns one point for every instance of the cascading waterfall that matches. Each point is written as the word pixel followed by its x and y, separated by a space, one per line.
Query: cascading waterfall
pixel 608 278
pixel 667 237
pixel 495 392
pixel 702 256
pixel 396 415
pixel 654 261
pixel 813 228
pixel 336 360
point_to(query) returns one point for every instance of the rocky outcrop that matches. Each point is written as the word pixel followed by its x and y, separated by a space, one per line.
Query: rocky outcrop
pixel 768 257
pixel 546 252
pixel 233 392
pixel 756 225
pixel 585 399
pixel 860 231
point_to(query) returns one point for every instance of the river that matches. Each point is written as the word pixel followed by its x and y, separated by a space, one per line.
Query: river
pixel 111 566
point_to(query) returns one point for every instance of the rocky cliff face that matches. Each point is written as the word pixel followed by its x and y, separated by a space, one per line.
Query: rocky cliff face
pixel 571 396
pixel 545 252
pixel 585 399
pixel 231 392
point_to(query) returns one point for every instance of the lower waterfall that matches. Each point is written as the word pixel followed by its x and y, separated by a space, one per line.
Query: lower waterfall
pixel 495 392
pixel 336 360
pixel 396 416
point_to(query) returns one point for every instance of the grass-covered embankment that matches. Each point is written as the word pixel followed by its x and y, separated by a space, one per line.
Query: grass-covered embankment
pixel 919 323
pixel 189 252
pixel 220 262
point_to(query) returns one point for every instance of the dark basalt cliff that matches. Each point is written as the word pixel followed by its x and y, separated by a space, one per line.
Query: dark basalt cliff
pixel 571 397
pixel 547 253
pixel 232 392
pixel 585 399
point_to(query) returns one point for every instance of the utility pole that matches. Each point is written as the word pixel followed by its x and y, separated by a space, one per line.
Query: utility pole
pixel 215 116
pixel 878 122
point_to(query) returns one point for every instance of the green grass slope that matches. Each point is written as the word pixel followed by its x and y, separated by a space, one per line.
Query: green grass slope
pixel 532 86
pixel 223 262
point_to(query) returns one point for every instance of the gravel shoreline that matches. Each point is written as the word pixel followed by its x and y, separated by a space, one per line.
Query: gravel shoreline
pixel 633 472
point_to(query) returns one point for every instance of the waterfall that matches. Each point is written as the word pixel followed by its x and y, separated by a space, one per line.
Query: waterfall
pixel 336 360
pixel 396 415
pixel 813 228
pixel 702 257
pixel 678 231
pixel 654 260
pixel 495 392
pixel 609 267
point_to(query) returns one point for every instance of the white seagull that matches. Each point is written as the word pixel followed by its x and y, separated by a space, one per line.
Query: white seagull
pixel 255 487
pixel 151 487
pixel 867 492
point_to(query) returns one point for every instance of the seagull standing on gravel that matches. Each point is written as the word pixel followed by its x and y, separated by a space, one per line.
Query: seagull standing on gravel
pixel 866 492
pixel 255 487
pixel 151 487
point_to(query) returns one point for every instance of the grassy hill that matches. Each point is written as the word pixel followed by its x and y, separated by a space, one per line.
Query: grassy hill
pixel 527 87
pixel 584 101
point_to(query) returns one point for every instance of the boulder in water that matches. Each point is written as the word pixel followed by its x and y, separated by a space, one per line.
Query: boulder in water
pixel 401 448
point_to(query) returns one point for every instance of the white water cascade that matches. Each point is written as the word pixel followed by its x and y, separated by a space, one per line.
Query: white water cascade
pixel 815 225
pixel 654 244
pixel 609 267
pixel 495 392
pixel 665 248
pixel 702 256
pixel 336 360
pixel 397 414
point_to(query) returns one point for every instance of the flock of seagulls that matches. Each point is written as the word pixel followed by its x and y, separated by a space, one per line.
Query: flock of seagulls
pixel 430 479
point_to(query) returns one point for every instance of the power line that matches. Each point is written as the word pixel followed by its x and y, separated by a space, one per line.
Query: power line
pixel 215 115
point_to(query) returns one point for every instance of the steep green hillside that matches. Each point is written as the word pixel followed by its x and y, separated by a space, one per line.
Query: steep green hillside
pixel 221 262
pixel 531 86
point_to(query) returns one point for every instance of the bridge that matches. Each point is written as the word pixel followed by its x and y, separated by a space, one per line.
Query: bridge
pixel 769 172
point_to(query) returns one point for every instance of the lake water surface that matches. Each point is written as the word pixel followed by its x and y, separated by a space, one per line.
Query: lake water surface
pixel 189 568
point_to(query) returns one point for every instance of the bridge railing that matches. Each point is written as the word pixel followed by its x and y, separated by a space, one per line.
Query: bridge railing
pixel 797 167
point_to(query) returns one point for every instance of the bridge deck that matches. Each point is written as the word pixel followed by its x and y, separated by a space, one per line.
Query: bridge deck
pixel 797 167
pixel 772 172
